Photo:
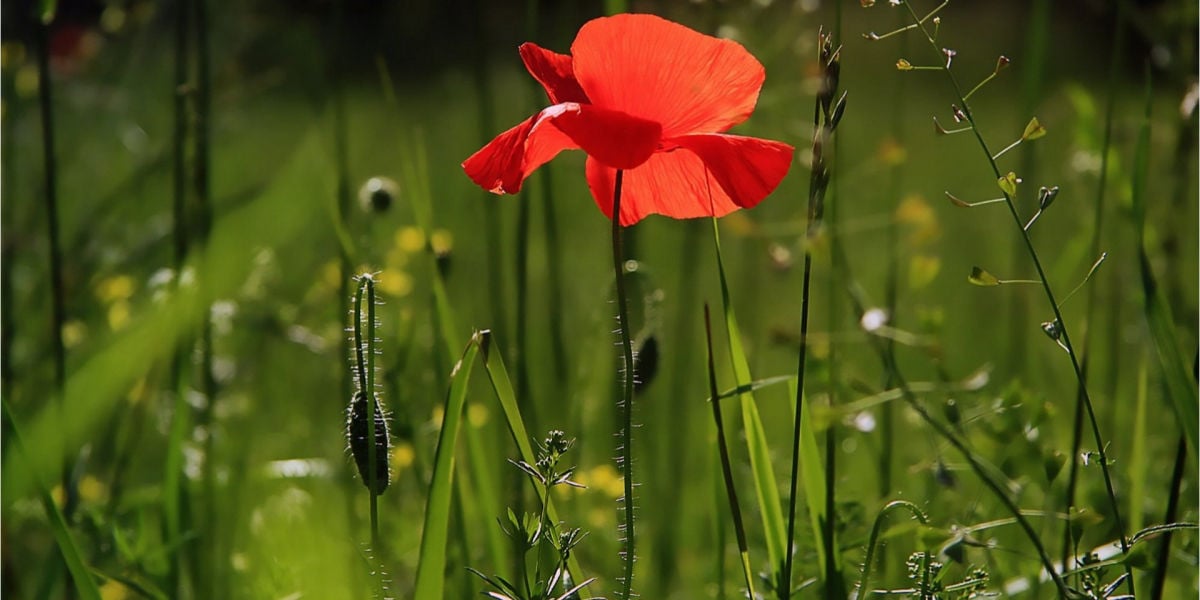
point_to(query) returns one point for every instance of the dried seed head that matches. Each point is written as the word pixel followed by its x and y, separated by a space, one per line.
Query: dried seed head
pixel 357 434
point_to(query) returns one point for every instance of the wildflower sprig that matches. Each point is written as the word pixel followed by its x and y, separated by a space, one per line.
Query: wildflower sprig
pixel 1057 329
pixel 533 532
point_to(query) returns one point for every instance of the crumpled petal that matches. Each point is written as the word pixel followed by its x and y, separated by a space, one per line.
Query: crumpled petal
pixel 613 138
pixel 651 68
pixel 554 72
pixel 701 176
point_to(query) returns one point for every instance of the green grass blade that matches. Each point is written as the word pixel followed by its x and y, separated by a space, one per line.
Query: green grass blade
pixel 435 535
pixel 85 585
pixel 1181 388
pixel 765 487
pixel 415 172
pixel 502 385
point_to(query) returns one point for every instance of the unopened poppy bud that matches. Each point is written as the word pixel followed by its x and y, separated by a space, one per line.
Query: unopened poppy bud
pixel 357 434
pixel 377 194
pixel 645 364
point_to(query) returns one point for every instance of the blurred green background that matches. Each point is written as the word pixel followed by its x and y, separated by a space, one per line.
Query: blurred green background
pixel 421 86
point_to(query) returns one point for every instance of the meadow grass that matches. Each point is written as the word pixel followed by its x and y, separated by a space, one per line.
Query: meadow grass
pixel 214 465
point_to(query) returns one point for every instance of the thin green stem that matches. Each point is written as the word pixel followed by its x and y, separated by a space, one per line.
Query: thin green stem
pixel 626 458
pixel 57 291
pixel 735 508
pixel 1164 548
pixel 1065 336
pixel 873 541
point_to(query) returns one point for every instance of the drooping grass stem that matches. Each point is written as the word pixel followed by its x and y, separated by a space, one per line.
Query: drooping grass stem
pixel 626 402
pixel 1065 338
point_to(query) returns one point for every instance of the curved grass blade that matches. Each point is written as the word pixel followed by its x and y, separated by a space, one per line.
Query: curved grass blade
pixel 431 564
pixel 416 174
pixel 765 487
pixel 85 586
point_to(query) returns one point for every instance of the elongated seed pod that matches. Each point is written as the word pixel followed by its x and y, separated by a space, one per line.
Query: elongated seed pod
pixel 357 434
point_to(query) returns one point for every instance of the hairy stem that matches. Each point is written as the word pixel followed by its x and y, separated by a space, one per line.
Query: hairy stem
pixel 626 457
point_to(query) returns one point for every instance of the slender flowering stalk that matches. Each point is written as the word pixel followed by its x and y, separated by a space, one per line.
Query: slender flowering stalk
pixel 1064 337
pixel 826 116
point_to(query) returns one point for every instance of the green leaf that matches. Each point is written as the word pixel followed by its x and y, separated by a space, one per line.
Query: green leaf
pixel 982 278
pixel 1033 130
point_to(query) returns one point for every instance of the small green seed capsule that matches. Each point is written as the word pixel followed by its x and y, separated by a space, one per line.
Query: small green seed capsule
pixel 357 433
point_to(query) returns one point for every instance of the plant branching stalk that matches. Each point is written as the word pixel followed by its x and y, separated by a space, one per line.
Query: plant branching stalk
pixel 626 457
pixel 1045 282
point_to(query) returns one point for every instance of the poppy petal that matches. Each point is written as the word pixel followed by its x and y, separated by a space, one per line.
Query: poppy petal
pixel 503 164
pixel 710 176
pixel 747 168
pixel 554 72
pixel 651 68
pixel 611 137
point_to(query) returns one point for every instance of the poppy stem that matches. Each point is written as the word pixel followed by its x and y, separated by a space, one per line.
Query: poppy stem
pixel 626 455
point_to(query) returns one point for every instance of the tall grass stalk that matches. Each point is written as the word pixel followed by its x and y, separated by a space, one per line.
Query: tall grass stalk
pixel 58 313
pixel 887 425
pixel 826 114
pixel 625 458
pixel 173 485
pixel 834 588
pixel 1098 210
pixel 211 580
pixel 1049 292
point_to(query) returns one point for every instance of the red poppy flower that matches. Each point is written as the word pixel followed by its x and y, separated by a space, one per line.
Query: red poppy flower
pixel 653 98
